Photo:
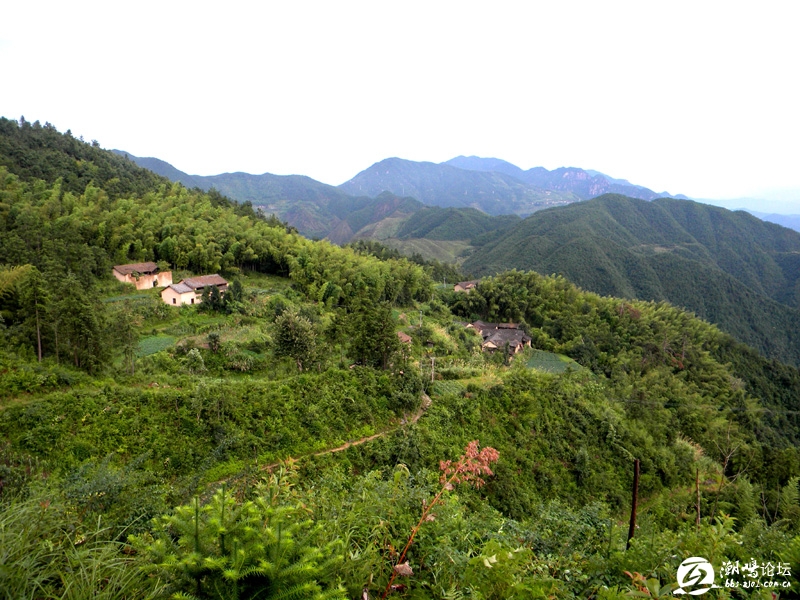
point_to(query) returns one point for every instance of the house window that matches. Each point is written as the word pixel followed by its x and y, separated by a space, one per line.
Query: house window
pixel 174 301
pixel 192 300
pixel 155 282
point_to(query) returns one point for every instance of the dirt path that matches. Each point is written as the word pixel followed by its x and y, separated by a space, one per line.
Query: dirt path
pixel 424 406
pixel 426 402
pixel 344 446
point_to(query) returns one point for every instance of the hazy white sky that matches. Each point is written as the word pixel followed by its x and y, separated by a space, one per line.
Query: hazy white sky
pixel 700 98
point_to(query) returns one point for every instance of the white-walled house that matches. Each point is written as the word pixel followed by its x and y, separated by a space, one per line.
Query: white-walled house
pixel 189 290
pixel 179 293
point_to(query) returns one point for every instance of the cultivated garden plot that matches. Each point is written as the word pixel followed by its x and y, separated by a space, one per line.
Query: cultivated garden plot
pixel 551 362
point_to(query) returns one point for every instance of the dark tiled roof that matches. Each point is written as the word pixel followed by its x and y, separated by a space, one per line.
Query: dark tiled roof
pixel 181 288
pixel 487 329
pixel 144 268
pixel 202 281
pixel 513 337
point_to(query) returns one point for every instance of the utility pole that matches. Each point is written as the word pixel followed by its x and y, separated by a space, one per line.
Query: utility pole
pixel 697 492
pixel 634 502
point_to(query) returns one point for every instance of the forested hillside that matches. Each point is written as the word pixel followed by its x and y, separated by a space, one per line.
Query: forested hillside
pixel 282 440
pixel 453 224
pixel 35 151
pixel 263 190
pixel 727 267
pixel 378 218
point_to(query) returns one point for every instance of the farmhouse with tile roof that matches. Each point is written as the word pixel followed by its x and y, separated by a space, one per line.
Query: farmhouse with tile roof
pixel 189 290
pixel 496 336
pixel 465 286
pixel 143 275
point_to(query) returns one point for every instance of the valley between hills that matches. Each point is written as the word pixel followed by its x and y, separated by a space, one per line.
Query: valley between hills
pixel 487 216
pixel 203 397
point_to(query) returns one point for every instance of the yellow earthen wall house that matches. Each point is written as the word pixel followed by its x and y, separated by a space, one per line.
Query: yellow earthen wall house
pixel 143 275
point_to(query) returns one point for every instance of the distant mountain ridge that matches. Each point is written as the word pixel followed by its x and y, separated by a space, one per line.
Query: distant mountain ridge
pixel 490 185
pixel 492 192
pixel 316 209
pixel 163 168
pixel 245 187
pixel 583 183
pixel 790 221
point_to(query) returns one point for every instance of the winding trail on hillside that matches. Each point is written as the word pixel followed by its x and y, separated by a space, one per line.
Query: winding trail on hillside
pixel 424 406
pixel 426 402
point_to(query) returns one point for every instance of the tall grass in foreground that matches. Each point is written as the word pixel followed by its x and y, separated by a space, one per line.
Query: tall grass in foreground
pixel 41 557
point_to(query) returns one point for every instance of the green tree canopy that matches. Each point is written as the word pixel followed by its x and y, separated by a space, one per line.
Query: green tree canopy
pixel 295 337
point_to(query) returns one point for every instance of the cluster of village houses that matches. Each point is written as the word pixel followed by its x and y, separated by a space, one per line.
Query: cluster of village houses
pixel 507 337
pixel 146 275
pixel 501 336
pixel 496 336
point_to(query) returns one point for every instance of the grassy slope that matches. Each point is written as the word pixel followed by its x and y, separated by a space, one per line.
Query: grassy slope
pixel 443 251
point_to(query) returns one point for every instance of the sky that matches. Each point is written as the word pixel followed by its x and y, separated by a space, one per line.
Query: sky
pixel 698 98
